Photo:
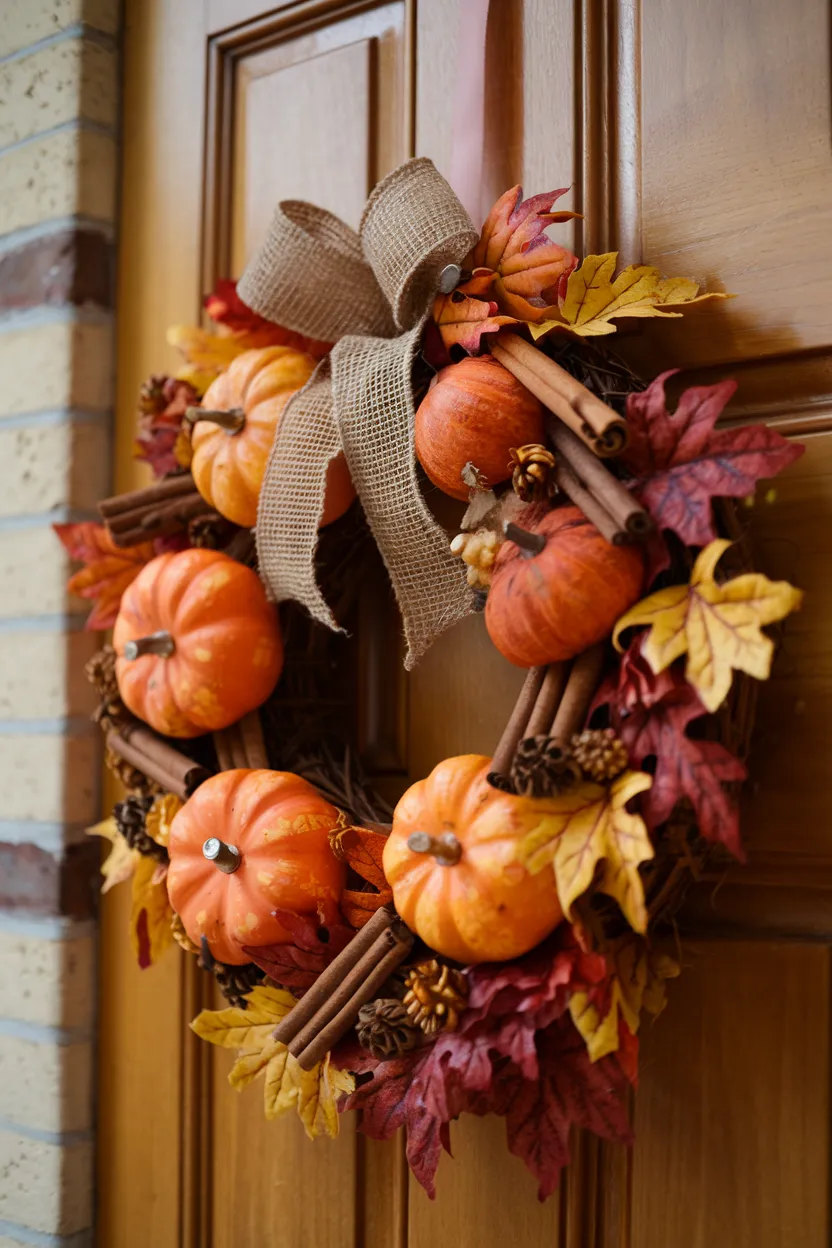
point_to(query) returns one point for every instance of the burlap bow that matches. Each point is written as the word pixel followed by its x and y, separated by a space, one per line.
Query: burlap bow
pixel 370 293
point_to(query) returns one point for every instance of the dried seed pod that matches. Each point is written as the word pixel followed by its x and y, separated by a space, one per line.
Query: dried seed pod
pixel 131 818
pixel 435 995
pixel 533 472
pixel 600 754
pixel 542 768
pixel 385 1028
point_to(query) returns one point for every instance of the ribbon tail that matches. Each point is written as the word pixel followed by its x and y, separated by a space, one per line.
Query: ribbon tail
pixel 292 496
pixel 373 391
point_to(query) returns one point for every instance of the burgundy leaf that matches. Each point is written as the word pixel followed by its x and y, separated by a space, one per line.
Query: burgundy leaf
pixel 316 941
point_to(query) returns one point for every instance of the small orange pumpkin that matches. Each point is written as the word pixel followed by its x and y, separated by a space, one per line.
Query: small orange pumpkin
pixel 451 860
pixel 248 843
pixel 555 602
pixel 234 429
pixel 474 413
pixel 198 645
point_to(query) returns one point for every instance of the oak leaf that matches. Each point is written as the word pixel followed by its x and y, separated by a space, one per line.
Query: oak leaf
pixel 681 462
pixel 717 626
pixel 108 569
pixel 636 981
pixel 528 267
pixel 316 941
pixel 151 913
pixel 468 312
pixel 121 861
pixel 313 1094
pixel 593 297
pixel 588 825
pixel 362 849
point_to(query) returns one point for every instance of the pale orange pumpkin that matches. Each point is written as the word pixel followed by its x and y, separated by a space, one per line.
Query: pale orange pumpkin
pixel 198 644
pixel 451 860
pixel 234 429
pixel 245 844
pixel 474 413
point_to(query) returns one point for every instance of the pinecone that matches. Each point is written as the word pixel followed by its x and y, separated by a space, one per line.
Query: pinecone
pixel 385 1028
pixel 134 781
pixel 541 769
pixel 130 819
pixel 180 935
pixel 210 532
pixel 101 673
pixel 600 754
pixel 234 981
pixel 435 995
pixel 533 475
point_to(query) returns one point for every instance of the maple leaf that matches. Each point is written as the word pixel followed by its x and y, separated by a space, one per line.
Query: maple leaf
pixel 467 313
pixel 589 824
pixel 313 1094
pixel 121 861
pixel 316 941
pixel 636 980
pixel 682 463
pixel 108 568
pixel 151 913
pixel 363 849
pixel 163 402
pixel 593 297
pixel 717 626
pixel 226 308
pixel 528 267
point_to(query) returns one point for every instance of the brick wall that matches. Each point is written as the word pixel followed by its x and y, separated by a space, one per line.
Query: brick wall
pixel 58 178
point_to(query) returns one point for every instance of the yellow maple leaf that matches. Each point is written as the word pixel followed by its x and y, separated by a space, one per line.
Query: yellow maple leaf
pixel 151 912
pixel 160 816
pixel 591 824
pixel 121 860
pixel 312 1093
pixel 594 297
pixel 718 626
pixel 206 354
pixel 638 983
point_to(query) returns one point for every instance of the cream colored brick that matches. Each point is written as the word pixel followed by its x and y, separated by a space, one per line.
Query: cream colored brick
pixel 47 1087
pixel 45 1187
pixel 50 983
pixel 55 85
pixel 73 171
pixel 26 21
pixel 34 569
pixel 42 468
pixel 62 364
pixel 42 674
pixel 48 778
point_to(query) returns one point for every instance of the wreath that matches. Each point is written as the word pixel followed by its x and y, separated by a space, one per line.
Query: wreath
pixel 489 945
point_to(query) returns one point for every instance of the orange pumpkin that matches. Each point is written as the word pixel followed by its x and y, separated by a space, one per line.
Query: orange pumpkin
pixel 197 643
pixel 474 413
pixel 451 860
pixel 234 429
pixel 248 843
pixel 555 603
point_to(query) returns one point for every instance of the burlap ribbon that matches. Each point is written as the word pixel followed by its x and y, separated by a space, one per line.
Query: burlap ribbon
pixel 370 293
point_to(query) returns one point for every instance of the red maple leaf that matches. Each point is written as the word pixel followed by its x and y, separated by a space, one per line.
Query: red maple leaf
pixel 682 463
pixel 163 402
pixel 225 307
pixel 363 849
pixel 651 714
pixel 316 941
pixel 108 569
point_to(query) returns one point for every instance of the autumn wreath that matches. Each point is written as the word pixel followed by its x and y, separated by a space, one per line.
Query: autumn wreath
pixel 488 945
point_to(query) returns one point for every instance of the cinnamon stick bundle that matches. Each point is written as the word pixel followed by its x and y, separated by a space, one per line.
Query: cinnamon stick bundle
pixel 161 509
pixel 515 729
pixel 601 428
pixel 591 486
pixel 327 1011
pixel 159 761
pixel 242 745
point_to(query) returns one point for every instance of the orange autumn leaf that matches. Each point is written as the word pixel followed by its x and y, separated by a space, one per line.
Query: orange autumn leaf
pixel 362 849
pixel 358 908
pixel 468 312
pixel 108 569
pixel 528 267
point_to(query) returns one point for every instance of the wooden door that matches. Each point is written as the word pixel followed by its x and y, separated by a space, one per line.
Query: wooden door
pixel 696 137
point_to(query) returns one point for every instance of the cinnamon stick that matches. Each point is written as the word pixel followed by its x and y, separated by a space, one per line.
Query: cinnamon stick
pixel 548 700
pixel 142 747
pixel 225 759
pixel 122 521
pixel 328 980
pixel 514 729
pixel 586 502
pixel 614 497
pixel 577 696
pixel 253 742
pixel 159 492
pixel 601 428
pixel 391 949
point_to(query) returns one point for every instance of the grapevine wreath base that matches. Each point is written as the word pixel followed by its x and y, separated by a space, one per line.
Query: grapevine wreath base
pixel 488 946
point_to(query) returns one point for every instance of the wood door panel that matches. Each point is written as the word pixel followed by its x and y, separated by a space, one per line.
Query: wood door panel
pixel 732 1113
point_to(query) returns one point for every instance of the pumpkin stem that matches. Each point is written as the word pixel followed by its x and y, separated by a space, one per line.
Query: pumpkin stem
pixel 225 858
pixel 233 419
pixel 530 543
pixel 160 643
pixel 446 848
